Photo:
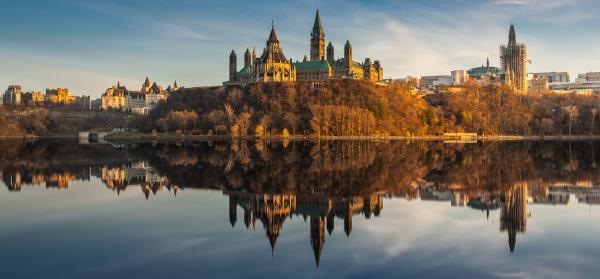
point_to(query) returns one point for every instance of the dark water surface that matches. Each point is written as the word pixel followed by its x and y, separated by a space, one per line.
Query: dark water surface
pixel 300 210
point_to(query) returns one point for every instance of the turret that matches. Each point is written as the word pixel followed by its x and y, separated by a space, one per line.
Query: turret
pixel 317 40
pixel 232 66
pixel 367 68
pixel 330 54
pixel 348 54
pixel 247 58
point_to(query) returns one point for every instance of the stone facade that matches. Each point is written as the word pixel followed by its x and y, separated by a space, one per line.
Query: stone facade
pixel 273 66
pixel 138 102
pixel 59 96
pixel 321 67
pixel 513 58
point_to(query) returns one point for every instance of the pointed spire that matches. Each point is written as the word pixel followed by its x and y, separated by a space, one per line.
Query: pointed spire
pixel 118 84
pixel 273 35
pixel 512 35
pixel 175 85
pixel 317 27
pixel 147 82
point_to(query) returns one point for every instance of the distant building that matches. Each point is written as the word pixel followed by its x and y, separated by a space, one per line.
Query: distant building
pixel 137 102
pixel 538 84
pixel 575 88
pixel 553 77
pixel 96 104
pixel 513 58
pixel 33 98
pixel 13 96
pixel 484 72
pixel 431 81
pixel 459 77
pixel 82 102
pixel 588 77
pixel 114 98
pixel 273 66
pixel 59 96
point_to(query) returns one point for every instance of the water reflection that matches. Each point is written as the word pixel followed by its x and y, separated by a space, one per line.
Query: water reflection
pixel 320 182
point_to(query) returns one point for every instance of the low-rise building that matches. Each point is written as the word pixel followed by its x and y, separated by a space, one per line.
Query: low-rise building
pixel 459 77
pixel 538 84
pixel 137 102
pixel 588 77
pixel 575 88
pixel 34 98
pixel 59 96
pixel 114 98
pixel 553 77
pixel 96 104
pixel 431 81
pixel 82 102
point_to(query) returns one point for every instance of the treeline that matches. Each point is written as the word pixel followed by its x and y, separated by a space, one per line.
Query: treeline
pixel 336 108
pixel 19 122
pixel 498 110
pixel 359 108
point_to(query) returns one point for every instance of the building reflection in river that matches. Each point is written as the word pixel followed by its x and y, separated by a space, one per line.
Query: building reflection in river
pixel 321 210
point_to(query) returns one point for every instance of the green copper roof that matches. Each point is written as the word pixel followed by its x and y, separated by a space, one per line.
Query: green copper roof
pixel 480 71
pixel 244 72
pixel 312 65
pixel 341 63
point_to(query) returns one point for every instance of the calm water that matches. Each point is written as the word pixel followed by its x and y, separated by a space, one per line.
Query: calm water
pixel 300 210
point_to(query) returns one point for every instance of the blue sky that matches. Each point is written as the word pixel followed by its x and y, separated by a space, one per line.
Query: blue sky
pixel 88 45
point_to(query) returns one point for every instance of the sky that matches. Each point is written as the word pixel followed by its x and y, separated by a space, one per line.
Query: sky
pixel 89 45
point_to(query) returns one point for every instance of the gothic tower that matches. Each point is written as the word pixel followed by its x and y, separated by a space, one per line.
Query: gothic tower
pixel 317 40
pixel 348 54
pixel 247 58
pixel 330 54
pixel 513 58
pixel 232 66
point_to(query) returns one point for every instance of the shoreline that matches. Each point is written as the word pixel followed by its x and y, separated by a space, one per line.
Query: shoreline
pixel 128 137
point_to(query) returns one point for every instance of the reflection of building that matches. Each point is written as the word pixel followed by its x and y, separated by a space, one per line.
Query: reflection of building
pixel 140 173
pixel 513 214
pixel 60 179
pixel 541 194
pixel 273 209
pixel 514 62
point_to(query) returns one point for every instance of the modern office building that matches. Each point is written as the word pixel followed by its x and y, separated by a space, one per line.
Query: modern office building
pixel 431 81
pixel 553 77
pixel 459 77
pixel 588 77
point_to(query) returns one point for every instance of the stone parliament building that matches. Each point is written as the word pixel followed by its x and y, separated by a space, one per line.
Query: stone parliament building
pixel 273 66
